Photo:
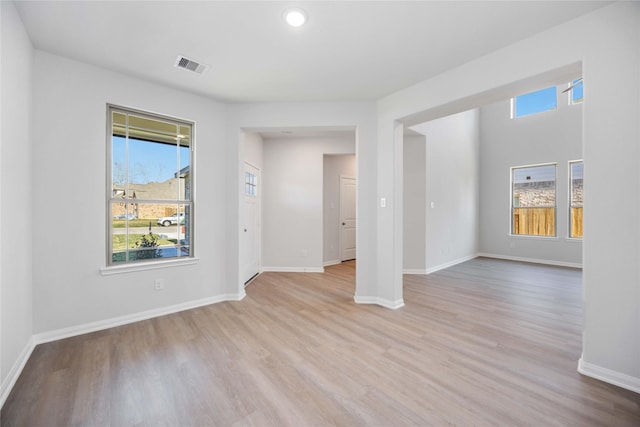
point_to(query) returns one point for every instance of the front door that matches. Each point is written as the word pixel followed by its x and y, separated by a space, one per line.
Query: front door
pixel 250 226
pixel 347 218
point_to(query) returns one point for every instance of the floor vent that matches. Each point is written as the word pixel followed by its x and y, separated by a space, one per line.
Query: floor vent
pixel 191 65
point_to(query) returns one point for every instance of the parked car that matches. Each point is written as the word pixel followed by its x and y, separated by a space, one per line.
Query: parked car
pixel 128 216
pixel 171 220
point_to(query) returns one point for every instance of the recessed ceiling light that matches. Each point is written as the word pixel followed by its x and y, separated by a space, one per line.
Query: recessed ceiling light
pixel 295 17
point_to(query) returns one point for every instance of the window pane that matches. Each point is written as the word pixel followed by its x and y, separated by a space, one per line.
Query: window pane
pixel 577 93
pixel 535 102
pixel 576 202
pixel 534 200
pixel 152 129
pixel 250 184
pixel 184 174
pixel 141 231
pixel 153 162
pixel 535 186
pixel 118 165
pixel 158 166
pixel 185 133
pixel 576 183
pixel 119 124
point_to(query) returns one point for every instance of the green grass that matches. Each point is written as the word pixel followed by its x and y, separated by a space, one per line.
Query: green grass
pixel 141 222
pixel 120 241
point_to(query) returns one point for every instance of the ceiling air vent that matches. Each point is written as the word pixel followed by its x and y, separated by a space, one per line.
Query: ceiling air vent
pixel 188 64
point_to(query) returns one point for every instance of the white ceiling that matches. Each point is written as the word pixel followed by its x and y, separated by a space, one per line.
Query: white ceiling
pixel 348 50
pixel 334 132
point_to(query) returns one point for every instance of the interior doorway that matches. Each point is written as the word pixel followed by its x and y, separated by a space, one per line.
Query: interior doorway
pixel 339 208
pixel 296 211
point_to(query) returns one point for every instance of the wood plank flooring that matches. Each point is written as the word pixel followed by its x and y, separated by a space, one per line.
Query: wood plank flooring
pixel 487 342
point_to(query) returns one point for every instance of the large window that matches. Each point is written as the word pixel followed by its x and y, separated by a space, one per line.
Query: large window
pixel 576 181
pixel 534 102
pixel 150 205
pixel 533 200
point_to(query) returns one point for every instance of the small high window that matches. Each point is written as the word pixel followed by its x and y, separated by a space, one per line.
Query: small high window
pixel 534 102
pixel 533 200
pixel 576 182
pixel 576 92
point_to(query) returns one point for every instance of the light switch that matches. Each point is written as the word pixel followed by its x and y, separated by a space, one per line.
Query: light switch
pixel 433 205
pixel 383 202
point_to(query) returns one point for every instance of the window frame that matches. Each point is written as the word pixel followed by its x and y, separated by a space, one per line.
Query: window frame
pixel 151 263
pixel 570 203
pixel 512 197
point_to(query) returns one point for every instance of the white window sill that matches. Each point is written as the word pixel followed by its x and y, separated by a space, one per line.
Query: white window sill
pixel 142 266
pixel 528 237
pixel 573 239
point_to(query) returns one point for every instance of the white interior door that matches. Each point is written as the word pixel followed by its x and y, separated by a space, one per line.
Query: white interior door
pixel 251 232
pixel 347 218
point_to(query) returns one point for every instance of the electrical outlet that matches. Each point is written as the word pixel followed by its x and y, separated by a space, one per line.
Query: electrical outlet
pixel 158 284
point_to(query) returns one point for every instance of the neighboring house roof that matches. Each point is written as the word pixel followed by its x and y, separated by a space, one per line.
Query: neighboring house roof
pixel 183 172
pixel 166 190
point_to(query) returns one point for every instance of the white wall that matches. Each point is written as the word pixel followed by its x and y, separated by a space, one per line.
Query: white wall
pixel 552 136
pixel 414 205
pixel 452 185
pixel 292 202
pixel 334 167
pixel 69 163
pixel 15 195
pixel 610 149
pixel 606 43
pixel 253 149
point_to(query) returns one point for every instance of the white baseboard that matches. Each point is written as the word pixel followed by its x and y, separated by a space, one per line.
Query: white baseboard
pixel 294 269
pixel 379 301
pixel 414 271
pixel 531 260
pixel 439 267
pixel 332 262
pixel 451 263
pixel 86 328
pixel 609 376
pixel 16 370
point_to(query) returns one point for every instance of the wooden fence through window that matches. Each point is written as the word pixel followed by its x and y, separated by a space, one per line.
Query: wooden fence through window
pixel 576 222
pixel 542 221
pixel 534 221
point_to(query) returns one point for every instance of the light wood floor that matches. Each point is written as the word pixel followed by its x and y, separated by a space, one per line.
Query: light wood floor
pixel 486 342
